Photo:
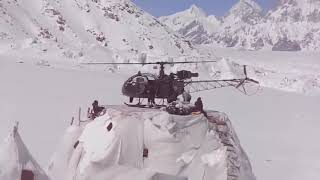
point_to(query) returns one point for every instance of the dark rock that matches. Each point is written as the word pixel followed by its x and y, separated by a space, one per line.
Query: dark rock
pixel 145 152
pixel 286 45
pixel 314 16
pixel 76 145
pixel 109 127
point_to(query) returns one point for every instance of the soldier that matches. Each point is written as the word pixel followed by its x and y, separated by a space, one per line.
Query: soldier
pixel 152 94
pixel 198 105
pixel 186 97
pixel 96 109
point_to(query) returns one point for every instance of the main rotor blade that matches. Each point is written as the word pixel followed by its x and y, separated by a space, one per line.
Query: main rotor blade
pixel 245 70
pixel 238 81
pixel 186 62
pixel 161 62
pixel 106 63
pixel 252 80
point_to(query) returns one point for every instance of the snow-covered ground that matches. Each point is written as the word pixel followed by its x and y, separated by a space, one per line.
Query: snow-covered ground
pixel 279 130
pixel 288 71
pixel 44 100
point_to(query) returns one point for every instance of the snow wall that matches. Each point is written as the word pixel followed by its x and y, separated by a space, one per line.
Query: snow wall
pixel 150 144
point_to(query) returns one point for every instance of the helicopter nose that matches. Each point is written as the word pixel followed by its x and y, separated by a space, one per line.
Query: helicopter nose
pixel 126 89
pixel 129 90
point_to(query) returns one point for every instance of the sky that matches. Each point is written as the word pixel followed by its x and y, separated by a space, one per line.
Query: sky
pixel 215 7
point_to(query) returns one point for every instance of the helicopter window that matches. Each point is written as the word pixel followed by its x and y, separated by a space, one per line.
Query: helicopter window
pixel 140 80
pixel 151 78
pixel 132 82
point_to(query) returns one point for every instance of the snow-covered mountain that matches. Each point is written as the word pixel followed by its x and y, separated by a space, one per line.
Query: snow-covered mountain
pixel 101 30
pixel 237 28
pixel 291 26
pixel 295 23
pixel 193 24
pixel 241 26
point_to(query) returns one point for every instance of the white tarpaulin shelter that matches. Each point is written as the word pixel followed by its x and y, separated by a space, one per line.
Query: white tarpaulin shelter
pixel 144 144
pixel 16 163
pixel 58 165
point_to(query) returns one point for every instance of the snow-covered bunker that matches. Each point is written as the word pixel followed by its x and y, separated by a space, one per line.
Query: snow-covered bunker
pixel 150 144
pixel 16 162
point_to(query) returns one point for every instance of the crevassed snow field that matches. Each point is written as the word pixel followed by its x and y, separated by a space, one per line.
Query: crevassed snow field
pixel 278 130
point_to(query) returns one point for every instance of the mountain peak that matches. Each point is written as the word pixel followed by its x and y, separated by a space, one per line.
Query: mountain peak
pixel 195 10
pixel 296 11
pixel 245 5
pixel 251 3
pixel 247 11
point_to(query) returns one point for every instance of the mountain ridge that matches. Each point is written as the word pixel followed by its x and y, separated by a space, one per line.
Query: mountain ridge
pixel 246 26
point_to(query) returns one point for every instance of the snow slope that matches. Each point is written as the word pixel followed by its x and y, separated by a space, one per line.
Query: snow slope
pixel 112 30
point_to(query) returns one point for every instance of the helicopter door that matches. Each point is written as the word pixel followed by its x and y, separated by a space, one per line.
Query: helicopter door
pixel 140 84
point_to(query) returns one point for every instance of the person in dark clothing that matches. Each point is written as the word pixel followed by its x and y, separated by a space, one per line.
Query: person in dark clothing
pixel 96 109
pixel 186 97
pixel 198 105
pixel 152 93
pixel 171 83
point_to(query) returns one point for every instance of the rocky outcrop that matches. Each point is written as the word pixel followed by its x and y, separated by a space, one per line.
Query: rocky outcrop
pixel 286 45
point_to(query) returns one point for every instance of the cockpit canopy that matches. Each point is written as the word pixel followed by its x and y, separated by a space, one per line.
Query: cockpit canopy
pixel 137 84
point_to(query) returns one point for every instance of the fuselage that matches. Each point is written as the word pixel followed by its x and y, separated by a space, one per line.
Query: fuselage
pixel 146 85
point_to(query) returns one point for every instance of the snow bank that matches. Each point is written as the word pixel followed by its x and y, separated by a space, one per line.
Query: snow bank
pixel 16 161
pixel 238 163
pixel 133 143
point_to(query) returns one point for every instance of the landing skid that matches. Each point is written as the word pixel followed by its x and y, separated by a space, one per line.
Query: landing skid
pixel 144 106
pixel 136 105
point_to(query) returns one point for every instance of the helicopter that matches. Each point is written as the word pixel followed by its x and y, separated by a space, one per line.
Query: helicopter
pixel 169 86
